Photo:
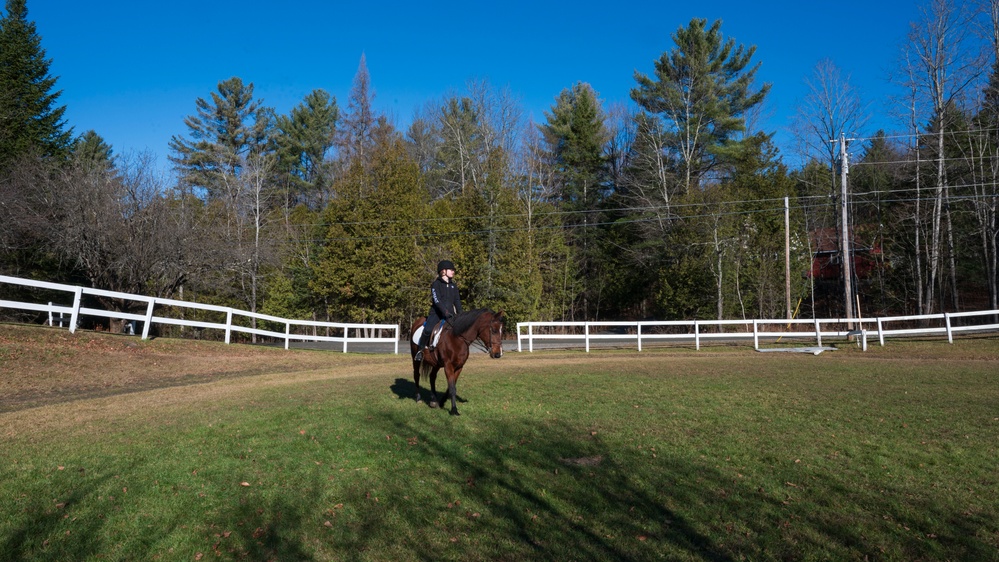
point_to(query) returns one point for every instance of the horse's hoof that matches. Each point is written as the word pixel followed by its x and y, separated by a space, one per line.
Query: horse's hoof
pixel 419 400
pixel 433 404
pixel 454 412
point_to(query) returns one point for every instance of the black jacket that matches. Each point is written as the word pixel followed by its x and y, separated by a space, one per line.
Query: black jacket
pixel 444 299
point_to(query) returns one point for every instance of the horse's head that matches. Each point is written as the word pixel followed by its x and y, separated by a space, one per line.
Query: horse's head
pixel 495 341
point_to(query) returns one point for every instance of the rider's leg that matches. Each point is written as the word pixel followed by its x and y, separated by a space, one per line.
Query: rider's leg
pixel 424 336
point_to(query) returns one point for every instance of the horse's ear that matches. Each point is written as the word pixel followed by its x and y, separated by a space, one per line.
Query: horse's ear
pixel 499 315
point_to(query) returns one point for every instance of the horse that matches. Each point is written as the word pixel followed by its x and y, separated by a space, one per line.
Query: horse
pixel 451 350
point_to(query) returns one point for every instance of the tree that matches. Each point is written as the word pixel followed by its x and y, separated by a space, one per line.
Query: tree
pixel 831 107
pixel 364 271
pixel 230 160
pixel 702 90
pixel 830 110
pixel 359 121
pixel 225 132
pixel 576 136
pixel 942 61
pixel 305 138
pixel 30 121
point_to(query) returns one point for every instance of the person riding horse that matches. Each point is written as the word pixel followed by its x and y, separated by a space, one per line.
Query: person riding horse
pixel 445 302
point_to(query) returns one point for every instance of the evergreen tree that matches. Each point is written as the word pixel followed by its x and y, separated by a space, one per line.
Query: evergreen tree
pixel 702 90
pixel 30 121
pixel 227 130
pixel 364 271
pixel 91 151
pixel 305 138
pixel 576 136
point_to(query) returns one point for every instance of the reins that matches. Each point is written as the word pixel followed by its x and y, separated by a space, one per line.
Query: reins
pixel 471 342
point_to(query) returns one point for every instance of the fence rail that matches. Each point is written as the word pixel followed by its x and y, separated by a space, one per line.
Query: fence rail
pixel 758 331
pixel 70 314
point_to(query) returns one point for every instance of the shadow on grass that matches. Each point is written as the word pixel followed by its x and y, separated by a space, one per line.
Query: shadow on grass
pixel 79 515
pixel 406 389
pixel 555 490
pixel 547 491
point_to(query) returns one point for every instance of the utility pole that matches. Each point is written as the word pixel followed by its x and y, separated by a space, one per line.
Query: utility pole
pixel 787 256
pixel 844 169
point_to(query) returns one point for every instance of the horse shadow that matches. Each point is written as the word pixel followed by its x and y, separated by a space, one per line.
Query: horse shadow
pixel 405 388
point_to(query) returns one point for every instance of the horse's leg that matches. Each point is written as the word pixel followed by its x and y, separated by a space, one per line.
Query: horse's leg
pixel 452 384
pixel 433 387
pixel 416 379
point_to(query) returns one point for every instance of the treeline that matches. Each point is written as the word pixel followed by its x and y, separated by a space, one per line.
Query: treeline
pixel 672 208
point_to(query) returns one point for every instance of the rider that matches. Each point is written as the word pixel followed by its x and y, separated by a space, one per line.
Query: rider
pixel 444 303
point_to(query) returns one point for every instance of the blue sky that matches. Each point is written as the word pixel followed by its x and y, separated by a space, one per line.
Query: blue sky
pixel 133 70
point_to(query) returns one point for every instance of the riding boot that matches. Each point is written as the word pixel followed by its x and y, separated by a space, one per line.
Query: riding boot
pixel 421 345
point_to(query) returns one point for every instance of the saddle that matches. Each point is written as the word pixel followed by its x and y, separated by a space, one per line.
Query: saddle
pixel 434 336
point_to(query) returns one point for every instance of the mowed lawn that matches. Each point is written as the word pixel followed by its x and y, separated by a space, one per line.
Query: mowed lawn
pixel 119 449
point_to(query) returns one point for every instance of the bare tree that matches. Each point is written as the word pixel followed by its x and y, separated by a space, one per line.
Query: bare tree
pixel 946 61
pixel 831 107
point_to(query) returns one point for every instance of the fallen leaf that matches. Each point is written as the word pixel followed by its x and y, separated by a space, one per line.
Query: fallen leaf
pixel 244 484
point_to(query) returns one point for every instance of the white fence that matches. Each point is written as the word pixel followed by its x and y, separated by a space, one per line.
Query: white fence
pixel 70 313
pixel 758 331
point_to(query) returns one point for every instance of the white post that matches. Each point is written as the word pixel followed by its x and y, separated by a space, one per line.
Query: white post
pixel 228 325
pixel 950 334
pixel 149 319
pixel 586 335
pixel 818 333
pixel 756 336
pixel 697 335
pixel 287 332
pixel 75 316
pixel 639 336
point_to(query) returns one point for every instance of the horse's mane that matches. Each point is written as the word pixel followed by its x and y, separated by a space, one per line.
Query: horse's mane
pixel 462 322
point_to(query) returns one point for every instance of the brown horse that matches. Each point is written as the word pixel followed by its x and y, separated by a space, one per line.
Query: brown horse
pixel 451 351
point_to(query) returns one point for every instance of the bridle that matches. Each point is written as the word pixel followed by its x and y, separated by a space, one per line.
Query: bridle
pixel 471 342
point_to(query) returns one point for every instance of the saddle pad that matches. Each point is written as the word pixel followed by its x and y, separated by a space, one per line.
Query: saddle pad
pixel 419 332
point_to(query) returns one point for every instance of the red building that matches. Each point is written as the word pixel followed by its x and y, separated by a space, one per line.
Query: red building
pixel 827 260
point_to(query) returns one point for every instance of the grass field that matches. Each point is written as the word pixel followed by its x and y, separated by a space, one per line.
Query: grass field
pixel 120 449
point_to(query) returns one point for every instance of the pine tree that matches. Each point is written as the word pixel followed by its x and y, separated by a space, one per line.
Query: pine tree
pixel 702 90
pixel 92 152
pixel 225 133
pixel 30 120
pixel 576 135
pixel 305 138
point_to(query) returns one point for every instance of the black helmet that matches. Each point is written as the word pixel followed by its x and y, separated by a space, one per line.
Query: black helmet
pixel 444 264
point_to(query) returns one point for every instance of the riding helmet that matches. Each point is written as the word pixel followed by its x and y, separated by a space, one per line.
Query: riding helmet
pixel 444 264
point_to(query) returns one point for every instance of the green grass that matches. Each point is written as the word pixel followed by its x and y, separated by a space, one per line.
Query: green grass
pixel 659 455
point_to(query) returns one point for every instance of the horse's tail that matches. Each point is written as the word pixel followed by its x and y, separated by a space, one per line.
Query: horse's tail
pixel 425 367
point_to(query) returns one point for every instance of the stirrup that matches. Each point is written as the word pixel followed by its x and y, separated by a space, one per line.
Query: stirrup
pixel 419 356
